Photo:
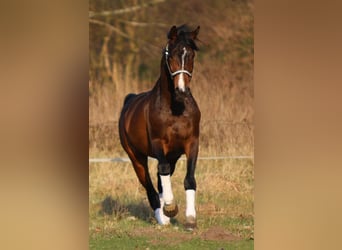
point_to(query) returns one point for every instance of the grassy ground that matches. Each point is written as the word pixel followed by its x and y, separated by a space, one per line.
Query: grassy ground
pixel 120 217
pixel 162 242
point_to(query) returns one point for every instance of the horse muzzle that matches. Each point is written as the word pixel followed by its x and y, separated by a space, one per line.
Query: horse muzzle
pixel 181 81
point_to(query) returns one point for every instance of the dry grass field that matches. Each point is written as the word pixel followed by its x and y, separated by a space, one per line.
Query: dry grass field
pixel 222 85
pixel 119 208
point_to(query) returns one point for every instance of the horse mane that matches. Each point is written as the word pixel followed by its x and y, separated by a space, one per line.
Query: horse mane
pixel 184 35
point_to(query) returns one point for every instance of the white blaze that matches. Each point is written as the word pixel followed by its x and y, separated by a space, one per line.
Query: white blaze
pixel 190 203
pixel 181 83
pixel 167 190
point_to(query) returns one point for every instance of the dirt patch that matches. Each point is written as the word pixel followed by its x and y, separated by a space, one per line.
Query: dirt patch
pixel 171 236
pixel 218 234
pixel 166 236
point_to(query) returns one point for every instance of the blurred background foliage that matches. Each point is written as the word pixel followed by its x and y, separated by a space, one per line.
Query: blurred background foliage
pixel 128 36
pixel 126 39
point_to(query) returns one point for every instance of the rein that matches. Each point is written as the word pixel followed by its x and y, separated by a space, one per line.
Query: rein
pixel 168 66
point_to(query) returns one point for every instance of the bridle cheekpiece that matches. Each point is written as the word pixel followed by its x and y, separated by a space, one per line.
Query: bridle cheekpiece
pixel 173 74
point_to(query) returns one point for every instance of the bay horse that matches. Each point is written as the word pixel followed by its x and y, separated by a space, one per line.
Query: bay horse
pixel 163 123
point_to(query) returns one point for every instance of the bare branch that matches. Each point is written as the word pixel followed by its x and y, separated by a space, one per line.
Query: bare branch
pixel 110 27
pixel 124 10
pixel 119 32
pixel 142 24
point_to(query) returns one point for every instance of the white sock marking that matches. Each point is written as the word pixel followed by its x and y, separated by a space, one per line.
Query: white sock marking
pixel 159 215
pixel 190 203
pixel 167 190
pixel 181 83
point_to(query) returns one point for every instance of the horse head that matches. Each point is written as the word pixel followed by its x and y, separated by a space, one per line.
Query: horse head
pixel 179 56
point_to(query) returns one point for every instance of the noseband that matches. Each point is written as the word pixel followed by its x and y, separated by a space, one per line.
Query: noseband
pixel 178 71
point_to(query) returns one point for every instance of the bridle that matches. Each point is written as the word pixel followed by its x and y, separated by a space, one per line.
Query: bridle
pixel 172 74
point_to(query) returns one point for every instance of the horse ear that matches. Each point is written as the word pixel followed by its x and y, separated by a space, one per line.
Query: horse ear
pixel 172 35
pixel 195 33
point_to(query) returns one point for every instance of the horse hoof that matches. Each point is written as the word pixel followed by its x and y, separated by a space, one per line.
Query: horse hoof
pixel 190 223
pixel 161 218
pixel 170 210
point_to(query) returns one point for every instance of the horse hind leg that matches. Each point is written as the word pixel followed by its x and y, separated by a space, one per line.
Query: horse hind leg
pixel 155 200
pixel 141 170
pixel 139 162
pixel 159 213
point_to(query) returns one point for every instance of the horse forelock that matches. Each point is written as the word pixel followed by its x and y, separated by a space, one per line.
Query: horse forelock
pixel 184 37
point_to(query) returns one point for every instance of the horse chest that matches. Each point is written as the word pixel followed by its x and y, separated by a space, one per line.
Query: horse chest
pixel 179 129
pixel 171 128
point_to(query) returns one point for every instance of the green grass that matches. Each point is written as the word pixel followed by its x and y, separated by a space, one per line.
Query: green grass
pixel 127 242
pixel 135 234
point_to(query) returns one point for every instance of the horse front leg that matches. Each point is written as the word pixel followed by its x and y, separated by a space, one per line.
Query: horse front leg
pixel 170 208
pixel 190 185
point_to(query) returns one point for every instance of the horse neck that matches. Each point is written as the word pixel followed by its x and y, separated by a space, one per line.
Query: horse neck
pixel 164 84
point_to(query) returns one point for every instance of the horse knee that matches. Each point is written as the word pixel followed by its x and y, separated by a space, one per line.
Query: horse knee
pixel 189 183
pixel 164 169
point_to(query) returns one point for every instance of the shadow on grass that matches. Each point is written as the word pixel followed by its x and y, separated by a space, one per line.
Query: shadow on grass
pixel 141 211
pixel 110 206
